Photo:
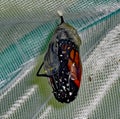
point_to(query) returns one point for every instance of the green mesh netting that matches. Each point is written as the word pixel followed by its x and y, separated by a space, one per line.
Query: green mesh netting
pixel 25 31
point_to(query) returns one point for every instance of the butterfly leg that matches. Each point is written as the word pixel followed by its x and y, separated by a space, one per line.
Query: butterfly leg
pixel 41 75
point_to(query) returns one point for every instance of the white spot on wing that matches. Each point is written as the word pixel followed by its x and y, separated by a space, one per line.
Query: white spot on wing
pixel 68 100
pixel 63 87
pixel 67 84
pixel 73 64
pixel 70 93
pixel 61 55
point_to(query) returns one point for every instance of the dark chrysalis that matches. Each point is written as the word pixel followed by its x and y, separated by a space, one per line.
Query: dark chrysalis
pixel 62 63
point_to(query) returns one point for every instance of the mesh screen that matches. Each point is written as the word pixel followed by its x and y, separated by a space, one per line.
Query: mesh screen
pixel 25 31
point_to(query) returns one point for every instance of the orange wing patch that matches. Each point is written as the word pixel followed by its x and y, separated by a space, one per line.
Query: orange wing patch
pixel 75 67
pixel 72 54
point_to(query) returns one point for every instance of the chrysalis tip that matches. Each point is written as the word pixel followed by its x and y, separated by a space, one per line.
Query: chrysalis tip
pixel 60 13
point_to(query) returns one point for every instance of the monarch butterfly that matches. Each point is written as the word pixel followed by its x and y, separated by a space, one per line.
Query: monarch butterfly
pixel 62 62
